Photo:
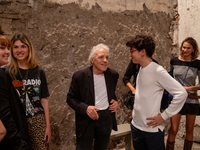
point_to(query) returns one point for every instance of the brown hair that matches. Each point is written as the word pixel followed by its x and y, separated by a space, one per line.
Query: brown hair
pixel 194 44
pixel 143 42
pixel 3 40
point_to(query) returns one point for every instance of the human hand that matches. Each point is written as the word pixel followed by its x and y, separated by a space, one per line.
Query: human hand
pixel 187 88
pixel 133 91
pixel 114 105
pixel 92 112
pixel 155 121
pixel 47 136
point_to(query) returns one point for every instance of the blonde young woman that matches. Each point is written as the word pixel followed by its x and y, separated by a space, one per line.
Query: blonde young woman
pixel 30 82
pixel 13 126
pixel 185 69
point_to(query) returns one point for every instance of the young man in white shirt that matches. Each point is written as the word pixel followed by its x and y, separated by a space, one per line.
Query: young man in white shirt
pixel 147 123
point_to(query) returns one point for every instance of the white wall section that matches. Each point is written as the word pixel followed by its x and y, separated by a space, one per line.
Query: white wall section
pixel 189 11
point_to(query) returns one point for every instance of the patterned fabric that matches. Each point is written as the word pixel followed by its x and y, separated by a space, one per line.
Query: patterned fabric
pixel 31 86
pixel 29 106
pixel 179 69
pixel 36 126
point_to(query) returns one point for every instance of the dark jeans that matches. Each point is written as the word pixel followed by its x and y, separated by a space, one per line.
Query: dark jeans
pixel 97 131
pixel 147 140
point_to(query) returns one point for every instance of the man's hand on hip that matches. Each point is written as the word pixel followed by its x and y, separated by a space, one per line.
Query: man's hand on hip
pixel 92 112
pixel 114 105
pixel 155 121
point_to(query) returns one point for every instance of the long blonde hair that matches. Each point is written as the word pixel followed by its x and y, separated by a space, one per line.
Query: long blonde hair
pixel 31 60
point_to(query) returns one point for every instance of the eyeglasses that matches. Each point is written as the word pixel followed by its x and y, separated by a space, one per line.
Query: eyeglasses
pixel 133 50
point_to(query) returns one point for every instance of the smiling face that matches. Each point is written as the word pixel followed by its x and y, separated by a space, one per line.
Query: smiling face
pixel 20 51
pixel 4 54
pixel 187 50
pixel 100 61
pixel 135 55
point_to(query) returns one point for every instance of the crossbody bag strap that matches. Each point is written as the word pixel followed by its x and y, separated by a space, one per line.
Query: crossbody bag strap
pixel 186 74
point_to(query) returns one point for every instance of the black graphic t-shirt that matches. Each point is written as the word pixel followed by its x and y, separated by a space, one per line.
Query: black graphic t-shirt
pixel 31 85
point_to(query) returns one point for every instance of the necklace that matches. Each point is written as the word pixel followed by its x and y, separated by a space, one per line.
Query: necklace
pixel 23 78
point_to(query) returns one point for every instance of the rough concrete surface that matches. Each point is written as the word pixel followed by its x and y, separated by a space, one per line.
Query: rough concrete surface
pixel 64 34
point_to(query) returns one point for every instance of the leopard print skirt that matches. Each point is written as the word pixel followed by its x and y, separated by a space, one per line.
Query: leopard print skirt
pixel 36 127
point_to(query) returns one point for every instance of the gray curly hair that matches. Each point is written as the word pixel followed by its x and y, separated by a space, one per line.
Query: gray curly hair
pixel 97 47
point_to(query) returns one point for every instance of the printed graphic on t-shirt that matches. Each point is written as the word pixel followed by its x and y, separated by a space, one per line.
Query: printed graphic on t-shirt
pixel 29 95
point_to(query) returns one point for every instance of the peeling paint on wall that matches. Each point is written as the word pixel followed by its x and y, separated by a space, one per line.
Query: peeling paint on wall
pixel 122 5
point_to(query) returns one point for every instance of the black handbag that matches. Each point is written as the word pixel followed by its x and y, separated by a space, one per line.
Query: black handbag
pixel 165 100
pixel 129 100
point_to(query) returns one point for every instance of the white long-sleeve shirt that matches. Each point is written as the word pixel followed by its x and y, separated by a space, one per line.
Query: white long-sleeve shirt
pixel 150 84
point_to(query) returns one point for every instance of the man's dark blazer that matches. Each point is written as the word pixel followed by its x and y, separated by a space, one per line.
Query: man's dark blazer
pixel 81 95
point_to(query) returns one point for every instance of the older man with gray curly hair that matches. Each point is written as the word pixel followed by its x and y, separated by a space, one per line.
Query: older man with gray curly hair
pixel 92 96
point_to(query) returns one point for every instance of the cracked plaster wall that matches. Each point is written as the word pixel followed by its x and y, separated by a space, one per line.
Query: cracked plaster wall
pixel 63 34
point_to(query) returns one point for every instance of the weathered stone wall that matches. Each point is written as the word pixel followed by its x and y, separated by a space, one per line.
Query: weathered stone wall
pixel 63 36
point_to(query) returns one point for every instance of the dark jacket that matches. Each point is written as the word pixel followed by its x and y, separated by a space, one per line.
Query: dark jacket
pixel 81 95
pixel 13 116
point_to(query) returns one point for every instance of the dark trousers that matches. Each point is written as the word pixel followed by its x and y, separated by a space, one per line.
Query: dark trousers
pixel 97 131
pixel 147 140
